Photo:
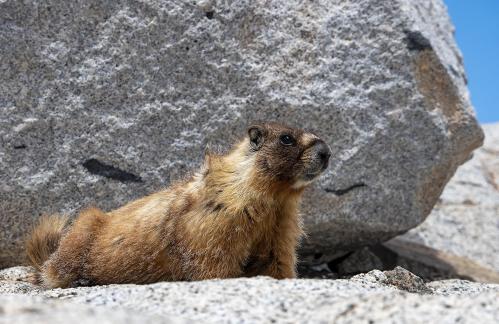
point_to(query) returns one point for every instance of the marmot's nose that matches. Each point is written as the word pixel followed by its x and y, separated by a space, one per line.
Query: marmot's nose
pixel 322 152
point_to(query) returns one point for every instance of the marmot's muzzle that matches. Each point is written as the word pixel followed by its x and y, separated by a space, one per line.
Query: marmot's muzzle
pixel 322 153
pixel 319 159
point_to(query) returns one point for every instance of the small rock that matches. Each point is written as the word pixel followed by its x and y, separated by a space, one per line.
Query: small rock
pixel 405 280
pixel 360 261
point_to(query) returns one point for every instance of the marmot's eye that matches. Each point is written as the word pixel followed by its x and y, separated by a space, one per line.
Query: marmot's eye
pixel 287 140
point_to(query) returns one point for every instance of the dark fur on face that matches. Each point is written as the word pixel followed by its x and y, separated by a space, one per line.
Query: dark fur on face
pixel 287 154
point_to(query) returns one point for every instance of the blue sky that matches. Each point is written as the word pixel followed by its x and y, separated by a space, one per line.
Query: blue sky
pixel 477 34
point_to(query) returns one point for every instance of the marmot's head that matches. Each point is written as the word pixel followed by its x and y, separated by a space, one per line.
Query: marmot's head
pixel 287 155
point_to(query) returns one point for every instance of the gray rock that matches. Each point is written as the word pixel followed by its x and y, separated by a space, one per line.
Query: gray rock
pixel 465 221
pixel 459 287
pixel 102 102
pixel 364 298
pixel 398 277
pixel 362 260
pixel 34 309
pixel 402 307
pixel 405 280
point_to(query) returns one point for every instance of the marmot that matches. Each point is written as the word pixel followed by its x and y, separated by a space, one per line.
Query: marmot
pixel 237 216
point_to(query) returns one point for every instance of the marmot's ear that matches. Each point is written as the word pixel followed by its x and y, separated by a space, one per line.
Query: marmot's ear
pixel 255 133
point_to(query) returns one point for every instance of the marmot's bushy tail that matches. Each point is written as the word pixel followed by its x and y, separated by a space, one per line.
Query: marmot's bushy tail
pixel 44 239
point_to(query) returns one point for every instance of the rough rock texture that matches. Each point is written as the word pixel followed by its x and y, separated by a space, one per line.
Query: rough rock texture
pixel 29 309
pixel 405 280
pixel 105 101
pixel 372 297
pixel 465 221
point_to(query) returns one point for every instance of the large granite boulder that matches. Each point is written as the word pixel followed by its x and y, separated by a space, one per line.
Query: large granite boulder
pixel 376 297
pixel 465 220
pixel 105 101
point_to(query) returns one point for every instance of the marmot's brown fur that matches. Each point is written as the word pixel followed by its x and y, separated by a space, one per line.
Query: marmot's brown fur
pixel 236 217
